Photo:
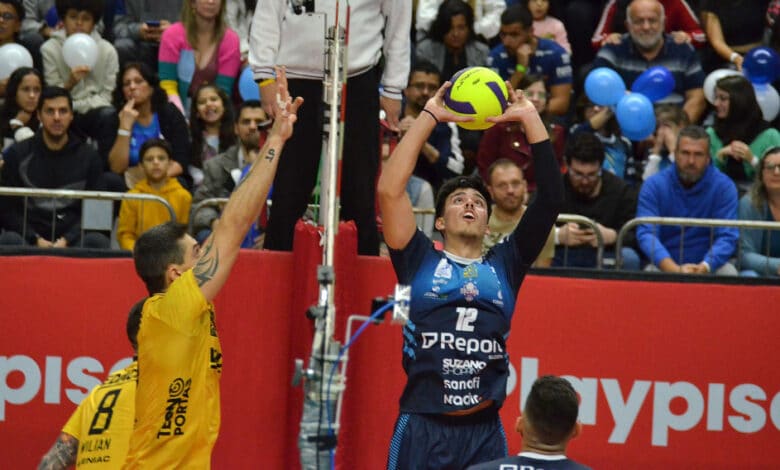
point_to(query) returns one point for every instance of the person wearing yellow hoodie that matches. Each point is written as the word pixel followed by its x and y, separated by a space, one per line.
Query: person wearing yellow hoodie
pixel 136 216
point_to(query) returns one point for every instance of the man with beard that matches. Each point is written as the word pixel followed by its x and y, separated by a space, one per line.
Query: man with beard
pixel 694 189
pixel 646 46
pixel 508 189
pixel 599 195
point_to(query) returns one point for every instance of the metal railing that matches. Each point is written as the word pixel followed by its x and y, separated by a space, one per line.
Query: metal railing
pixel 76 194
pixel 581 219
pixel 686 222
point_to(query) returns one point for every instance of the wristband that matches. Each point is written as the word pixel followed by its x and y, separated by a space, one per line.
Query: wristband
pixel 123 132
pixel 432 115
pixel 521 68
pixel 267 82
pixel 733 57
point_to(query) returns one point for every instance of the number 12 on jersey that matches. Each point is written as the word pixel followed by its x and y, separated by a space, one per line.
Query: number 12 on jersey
pixel 466 318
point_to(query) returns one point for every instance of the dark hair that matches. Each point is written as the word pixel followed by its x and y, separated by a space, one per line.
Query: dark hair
pixel 226 135
pixel 134 321
pixel 17 5
pixel 551 409
pixel 426 67
pixel 583 103
pixel 155 142
pixel 443 21
pixel 159 97
pixel 531 78
pixel 758 192
pixel 695 133
pixel 584 147
pixel 244 105
pixel 155 250
pixel 671 112
pixel 517 13
pixel 11 108
pixel 744 120
pixel 52 92
pixel 453 184
pixel 94 7
pixel 498 163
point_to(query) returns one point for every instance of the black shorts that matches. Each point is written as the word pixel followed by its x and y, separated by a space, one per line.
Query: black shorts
pixel 425 441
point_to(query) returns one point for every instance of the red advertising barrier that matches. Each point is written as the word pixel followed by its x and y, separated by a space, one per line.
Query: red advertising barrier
pixel 670 375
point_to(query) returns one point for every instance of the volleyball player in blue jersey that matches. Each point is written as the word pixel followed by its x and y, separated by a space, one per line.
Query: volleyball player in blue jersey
pixel 462 302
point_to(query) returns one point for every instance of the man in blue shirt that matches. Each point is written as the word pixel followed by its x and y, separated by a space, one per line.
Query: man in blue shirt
pixel 691 188
pixel 520 53
pixel 646 46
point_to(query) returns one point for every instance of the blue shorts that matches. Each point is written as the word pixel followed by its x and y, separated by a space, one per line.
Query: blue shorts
pixel 427 441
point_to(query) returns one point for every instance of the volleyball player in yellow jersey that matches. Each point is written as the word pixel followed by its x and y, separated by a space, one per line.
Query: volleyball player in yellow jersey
pixel 98 433
pixel 179 355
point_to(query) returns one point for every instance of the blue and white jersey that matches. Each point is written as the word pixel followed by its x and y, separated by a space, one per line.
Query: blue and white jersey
pixel 531 461
pixel 460 311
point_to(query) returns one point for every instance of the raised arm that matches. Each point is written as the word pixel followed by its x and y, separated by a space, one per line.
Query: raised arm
pixel 62 454
pixel 243 208
pixel 397 216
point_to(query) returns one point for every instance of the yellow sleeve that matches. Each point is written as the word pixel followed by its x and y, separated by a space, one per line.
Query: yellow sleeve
pixel 128 221
pixel 73 426
pixel 183 207
pixel 182 306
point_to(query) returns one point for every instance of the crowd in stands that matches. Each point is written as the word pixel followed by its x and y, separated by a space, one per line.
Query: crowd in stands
pixel 161 113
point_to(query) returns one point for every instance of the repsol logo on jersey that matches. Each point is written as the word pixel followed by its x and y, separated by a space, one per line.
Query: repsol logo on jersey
pixel 451 342
pixel 176 409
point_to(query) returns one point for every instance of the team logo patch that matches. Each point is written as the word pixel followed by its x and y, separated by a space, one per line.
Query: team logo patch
pixel 470 272
pixel 443 270
pixel 469 291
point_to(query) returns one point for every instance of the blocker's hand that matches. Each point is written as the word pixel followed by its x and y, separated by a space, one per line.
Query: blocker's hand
pixel 435 106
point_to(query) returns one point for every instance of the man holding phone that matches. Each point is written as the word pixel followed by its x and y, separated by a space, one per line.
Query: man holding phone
pixel 137 33
pixel 599 195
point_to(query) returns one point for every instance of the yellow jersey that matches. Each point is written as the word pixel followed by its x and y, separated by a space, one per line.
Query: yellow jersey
pixel 104 420
pixel 179 367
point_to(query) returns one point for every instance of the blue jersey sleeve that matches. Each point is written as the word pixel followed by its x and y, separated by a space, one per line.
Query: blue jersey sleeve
pixel 407 260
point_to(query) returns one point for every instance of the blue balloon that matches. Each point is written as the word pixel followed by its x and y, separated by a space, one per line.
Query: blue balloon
pixel 635 116
pixel 656 83
pixel 604 86
pixel 761 65
pixel 247 87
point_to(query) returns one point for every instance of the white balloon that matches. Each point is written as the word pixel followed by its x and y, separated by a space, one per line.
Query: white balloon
pixel 768 101
pixel 80 49
pixel 712 79
pixel 13 56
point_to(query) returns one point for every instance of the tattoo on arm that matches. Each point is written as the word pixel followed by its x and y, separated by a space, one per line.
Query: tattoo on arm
pixel 208 263
pixel 270 155
pixel 61 455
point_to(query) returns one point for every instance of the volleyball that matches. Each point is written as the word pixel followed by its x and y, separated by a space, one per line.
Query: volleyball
pixel 477 92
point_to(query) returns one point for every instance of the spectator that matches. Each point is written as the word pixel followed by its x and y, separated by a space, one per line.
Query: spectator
pixel 440 157
pixel 199 49
pixel 547 26
pixel 136 217
pixel 53 159
pixel 452 44
pixel 83 436
pixel 680 23
pixel 548 423
pixel 40 21
pixel 669 120
pixel 380 28
pixel 145 113
pixel 508 140
pixel 18 118
pixel 222 173
pixel 520 52
pixel 507 188
pixel 733 28
pixel 646 46
pixel 12 14
pixel 599 195
pixel 90 88
pixel 760 249
pixel 487 14
pixel 238 17
pixel 739 134
pixel 692 188
pixel 137 32
pixel 211 128
pixel 618 150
